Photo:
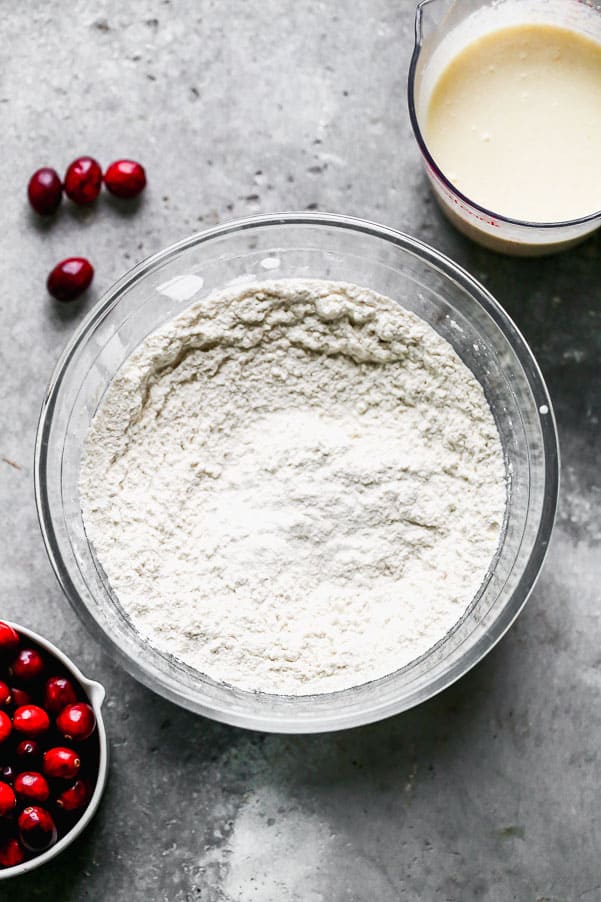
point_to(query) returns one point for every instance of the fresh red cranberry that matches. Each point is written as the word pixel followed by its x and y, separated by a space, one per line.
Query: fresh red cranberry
pixel 19 697
pixel 31 719
pixel 125 178
pixel 75 797
pixel 7 799
pixel 28 751
pixel 59 694
pixel 32 786
pixel 61 762
pixel 37 830
pixel 6 726
pixel 76 721
pixel 7 774
pixel 9 637
pixel 45 191
pixel 83 180
pixel 11 853
pixel 70 278
pixel 5 694
pixel 28 665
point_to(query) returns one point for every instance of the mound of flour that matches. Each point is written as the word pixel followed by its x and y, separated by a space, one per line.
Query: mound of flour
pixel 295 487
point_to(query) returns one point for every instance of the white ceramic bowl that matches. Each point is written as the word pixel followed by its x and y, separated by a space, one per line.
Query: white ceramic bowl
pixel 95 694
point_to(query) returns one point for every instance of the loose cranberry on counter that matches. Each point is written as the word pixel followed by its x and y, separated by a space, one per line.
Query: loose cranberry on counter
pixel 75 797
pixel 32 786
pixel 6 726
pixel 9 638
pixel 70 278
pixel 8 799
pixel 61 762
pixel 36 829
pixel 31 719
pixel 59 693
pixel 76 721
pixel 45 191
pixel 28 665
pixel 19 697
pixel 5 694
pixel 11 854
pixel 28 750
pixel 83 180
pixel 125 178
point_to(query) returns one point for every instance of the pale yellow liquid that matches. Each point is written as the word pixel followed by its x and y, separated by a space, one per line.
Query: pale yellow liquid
pixel 514 122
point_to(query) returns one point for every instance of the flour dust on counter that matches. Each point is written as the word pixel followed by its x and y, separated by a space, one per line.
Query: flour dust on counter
pixel 295 486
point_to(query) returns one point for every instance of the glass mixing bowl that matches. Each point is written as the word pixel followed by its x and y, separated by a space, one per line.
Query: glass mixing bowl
pixel 296 246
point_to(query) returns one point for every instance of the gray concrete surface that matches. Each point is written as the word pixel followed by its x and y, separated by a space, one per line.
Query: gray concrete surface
pixel 489 793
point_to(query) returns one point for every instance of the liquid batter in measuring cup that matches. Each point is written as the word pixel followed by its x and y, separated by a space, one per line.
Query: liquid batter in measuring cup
pixel 505 103
pixel 515 123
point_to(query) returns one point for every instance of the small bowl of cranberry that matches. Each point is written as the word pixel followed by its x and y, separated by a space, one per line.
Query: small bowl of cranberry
pixel 53 750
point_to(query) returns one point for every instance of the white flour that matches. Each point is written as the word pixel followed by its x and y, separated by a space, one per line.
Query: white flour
pixel 295 487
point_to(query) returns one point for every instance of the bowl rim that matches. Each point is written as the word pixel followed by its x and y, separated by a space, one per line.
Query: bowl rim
pixel 95 693
pixel 527 580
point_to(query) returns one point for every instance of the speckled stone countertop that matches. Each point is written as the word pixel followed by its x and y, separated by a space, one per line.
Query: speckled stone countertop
pixel 488 793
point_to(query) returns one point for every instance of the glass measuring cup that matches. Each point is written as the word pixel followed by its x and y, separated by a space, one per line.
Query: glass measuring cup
pixel 442 29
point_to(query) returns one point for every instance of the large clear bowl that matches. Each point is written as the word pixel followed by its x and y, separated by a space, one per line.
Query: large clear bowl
pixel 294 246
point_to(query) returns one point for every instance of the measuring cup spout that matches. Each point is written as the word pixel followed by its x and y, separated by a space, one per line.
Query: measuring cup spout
pixel 433 18
pixel 429 15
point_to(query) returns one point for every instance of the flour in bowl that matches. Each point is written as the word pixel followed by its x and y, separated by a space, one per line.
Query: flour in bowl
pixel 294 486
